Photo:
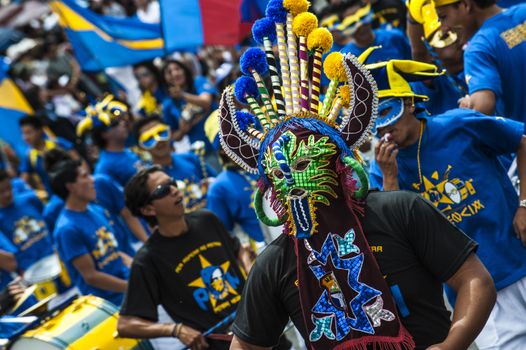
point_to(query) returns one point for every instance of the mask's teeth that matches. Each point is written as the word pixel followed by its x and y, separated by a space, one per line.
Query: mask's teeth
pixel 300 210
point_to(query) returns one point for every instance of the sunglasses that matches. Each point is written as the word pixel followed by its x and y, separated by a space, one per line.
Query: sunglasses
pixel 162 190
pixel 151 137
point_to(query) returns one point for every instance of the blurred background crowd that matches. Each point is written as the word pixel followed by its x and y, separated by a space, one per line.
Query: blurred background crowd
pixel 60 98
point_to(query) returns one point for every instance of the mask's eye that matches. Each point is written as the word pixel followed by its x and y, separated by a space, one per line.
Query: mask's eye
pixel 301 165
pixel 386 111
pixel 278 174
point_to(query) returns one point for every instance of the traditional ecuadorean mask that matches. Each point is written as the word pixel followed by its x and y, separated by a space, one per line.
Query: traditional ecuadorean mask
pixel 300 172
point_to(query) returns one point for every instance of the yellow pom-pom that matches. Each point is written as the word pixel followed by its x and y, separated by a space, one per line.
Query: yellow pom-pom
pixel 319 38
pixel 333 67
pixel 296 6
pixel 304 23
pixel 344 93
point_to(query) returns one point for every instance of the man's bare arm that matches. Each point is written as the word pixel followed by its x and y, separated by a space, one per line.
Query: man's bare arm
pixel 476 296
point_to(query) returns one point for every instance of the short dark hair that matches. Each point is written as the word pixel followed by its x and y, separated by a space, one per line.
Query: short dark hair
pixel 482 4
pixel 35 122
pixel 63 172
pixel 3 175
pixel 141 123
pixel 137 195
pixel 151 68
pixel 53 157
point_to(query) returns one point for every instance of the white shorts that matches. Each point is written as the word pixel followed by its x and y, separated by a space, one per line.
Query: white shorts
pixel 506 326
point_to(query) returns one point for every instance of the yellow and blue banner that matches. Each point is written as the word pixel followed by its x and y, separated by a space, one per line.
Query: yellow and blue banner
pixel 13 106
pixel 102 41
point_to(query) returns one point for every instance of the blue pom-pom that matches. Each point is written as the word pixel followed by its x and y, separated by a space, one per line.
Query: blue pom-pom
pixel 245 85
pixel 244 120
pixel 276 12
pixel 254 58
pixel 264 28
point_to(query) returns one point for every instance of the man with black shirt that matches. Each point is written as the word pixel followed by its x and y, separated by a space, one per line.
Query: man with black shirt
pixel 190 265
pixel 417 250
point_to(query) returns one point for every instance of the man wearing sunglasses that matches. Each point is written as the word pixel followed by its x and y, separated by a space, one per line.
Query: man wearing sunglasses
pixel 154 137
pixel 190 265
pixel 451 159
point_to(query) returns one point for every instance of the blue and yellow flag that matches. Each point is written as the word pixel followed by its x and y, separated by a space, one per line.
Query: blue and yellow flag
pixel 13 106
pixel 102 41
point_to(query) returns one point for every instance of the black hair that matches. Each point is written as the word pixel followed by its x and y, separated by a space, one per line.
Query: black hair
pixel 53 157
pixel 189 77
pixel 35 122
pixel 344 5
pixel 326 11
pixel 97 137
pixel 482 4
pixel 150 67
pixel 3 175
pixel 142 122
pixel 137 195
pixel 63 172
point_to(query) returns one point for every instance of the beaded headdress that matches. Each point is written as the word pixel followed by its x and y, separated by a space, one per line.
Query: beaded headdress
pixel 304 151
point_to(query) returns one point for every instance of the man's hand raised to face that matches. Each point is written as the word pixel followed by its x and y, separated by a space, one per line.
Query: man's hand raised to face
pixel 385 155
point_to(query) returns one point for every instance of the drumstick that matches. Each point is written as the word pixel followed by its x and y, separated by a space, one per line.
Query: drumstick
pixel 218 325
pixel 221 323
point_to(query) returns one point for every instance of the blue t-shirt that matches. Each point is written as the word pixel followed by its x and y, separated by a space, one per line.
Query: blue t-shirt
pixel 20 186
pixel 120 166
pixel 442 94
pixel 51 211
pixel 463 178
pixel 110 196
pixel 494 60
pixel 186 167
pixel 395 45
pixel 172 112
pixel 23 224
pixel 6 246
pixel 509 3
pixel 33 161
pixel 230 198
pixel 89 232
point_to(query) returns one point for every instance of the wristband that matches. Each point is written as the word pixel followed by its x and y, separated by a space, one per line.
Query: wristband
pixel 177 330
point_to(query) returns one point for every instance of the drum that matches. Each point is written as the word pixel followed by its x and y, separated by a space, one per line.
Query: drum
pixel 49 275
pixel 88 323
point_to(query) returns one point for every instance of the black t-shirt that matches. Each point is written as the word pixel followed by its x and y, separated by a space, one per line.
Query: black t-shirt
pixel 417 250
pixel 195 276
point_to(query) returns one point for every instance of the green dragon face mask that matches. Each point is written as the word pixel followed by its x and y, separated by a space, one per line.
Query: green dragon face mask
pixel 302 177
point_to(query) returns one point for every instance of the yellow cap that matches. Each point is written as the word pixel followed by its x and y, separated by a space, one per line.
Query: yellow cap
pixel 392 77
pixel 423 12
pixel 354 18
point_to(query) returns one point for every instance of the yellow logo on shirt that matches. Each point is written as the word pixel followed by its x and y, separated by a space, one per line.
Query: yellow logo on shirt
pixel 106 248
pixel 453 197
pixel 28 231
pixel 515 35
